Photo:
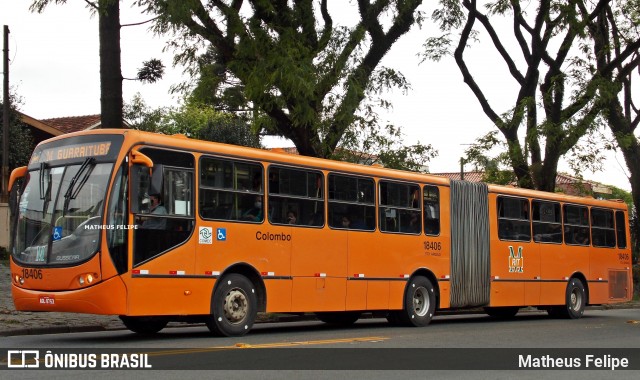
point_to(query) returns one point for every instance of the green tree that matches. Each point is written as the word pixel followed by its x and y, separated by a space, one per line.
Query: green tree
pixel 557 99
pixel 305 77
pixel 616 43
pixel 20 140
pixel 195 120
pixel 111 101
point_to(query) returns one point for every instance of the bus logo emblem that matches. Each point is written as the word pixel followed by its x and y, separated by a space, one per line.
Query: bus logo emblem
pixel 205 234
pixel 516 261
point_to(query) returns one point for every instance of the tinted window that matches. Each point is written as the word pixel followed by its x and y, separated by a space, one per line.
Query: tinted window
pixel 576 225
pixel 296 197
pixel 399 208
pixel 231 190
pixel 431 201
pixel 602 228
pixel 547 222
pixel 621 229
pixel 351 202
pixel 513 219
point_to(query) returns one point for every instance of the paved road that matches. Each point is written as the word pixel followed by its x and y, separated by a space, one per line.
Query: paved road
pixel 465 340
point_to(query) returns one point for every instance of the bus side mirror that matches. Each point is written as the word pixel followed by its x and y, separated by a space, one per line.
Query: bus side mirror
pixel 16 174
pixel 141 166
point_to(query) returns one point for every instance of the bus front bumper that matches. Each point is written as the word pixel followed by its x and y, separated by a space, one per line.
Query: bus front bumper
pixel 108 297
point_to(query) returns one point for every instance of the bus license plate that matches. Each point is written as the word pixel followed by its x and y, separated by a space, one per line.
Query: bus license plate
pixel 47 300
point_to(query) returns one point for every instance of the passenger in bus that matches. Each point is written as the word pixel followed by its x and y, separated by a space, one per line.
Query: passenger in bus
pixel 316 219
pixel 292 217
pixel 254 213
pixel 414 224
pixel 346 221
pixel 156 208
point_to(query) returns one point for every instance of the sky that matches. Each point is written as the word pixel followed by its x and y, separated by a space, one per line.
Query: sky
pixel 55 69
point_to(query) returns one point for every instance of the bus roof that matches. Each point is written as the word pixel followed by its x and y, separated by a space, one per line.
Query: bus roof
pixel 135 137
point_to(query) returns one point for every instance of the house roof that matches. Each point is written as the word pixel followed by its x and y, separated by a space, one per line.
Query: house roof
pixel 74 123
pixel 468 176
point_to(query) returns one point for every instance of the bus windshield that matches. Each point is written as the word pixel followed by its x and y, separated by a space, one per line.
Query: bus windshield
pixel 60 209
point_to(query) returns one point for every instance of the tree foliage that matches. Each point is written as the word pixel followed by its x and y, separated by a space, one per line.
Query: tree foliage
pixel 192 119
pixel 304 76
pixel 20 139
pixel 617 43
pixel 557 80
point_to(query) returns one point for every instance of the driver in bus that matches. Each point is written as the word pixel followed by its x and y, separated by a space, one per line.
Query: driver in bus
pixel 156 208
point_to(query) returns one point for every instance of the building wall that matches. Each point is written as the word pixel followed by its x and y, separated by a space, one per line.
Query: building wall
pixel 4 225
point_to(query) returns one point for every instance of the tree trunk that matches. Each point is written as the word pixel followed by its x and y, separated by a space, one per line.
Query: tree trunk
pixel 110 63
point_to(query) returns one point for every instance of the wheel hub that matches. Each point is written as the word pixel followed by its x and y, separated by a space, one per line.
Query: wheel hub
pixel 421 301
pixel 235 306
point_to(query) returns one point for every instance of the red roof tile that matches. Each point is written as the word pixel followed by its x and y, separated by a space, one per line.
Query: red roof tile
pixel 468 176
pixel 74 123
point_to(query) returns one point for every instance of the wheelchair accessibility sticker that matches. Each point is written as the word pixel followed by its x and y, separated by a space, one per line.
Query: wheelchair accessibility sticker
pixel 205 235
pixel 57 233
pixel 221 234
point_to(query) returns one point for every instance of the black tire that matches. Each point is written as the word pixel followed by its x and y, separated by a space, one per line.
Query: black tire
pixel 507 312
pixel 419 303
pixel 234 306
pixel 343 318
pixel 576 299
pixel 575 302
pixel 144 325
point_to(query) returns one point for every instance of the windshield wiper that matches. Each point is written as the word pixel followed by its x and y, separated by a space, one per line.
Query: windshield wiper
pixel 45 186
pixel 73 190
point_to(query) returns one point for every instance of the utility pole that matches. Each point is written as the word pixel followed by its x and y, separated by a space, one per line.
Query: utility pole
pixel 4 197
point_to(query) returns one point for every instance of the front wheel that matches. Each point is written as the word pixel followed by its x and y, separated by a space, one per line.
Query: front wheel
pixel 234 306
pixel 144 325
pixel 419 303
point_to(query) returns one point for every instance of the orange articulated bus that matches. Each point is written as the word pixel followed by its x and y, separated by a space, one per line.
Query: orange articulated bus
pixel 157 228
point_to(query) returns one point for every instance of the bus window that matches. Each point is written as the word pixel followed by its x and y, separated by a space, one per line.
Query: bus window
pixel 231 190
pixel 620 229
pixel 296 197
pixel 547 222
pixel 431 201
pixel 168 220
pixel 576 225
pixel 399 208
pixel 602 229
pixel 513 219
pixel 351 202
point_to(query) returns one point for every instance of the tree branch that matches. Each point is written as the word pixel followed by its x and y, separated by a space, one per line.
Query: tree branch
pixel 468 79
pixel 140 23
pixel 513 69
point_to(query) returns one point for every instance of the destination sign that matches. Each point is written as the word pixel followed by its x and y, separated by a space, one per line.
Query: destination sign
pixel 96 149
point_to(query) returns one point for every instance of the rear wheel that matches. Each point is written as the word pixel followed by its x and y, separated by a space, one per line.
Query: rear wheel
pixel 575 301
pixel 419 303
pixel 502 312
pixel 344 318
pixel 144 325
pixel 234 306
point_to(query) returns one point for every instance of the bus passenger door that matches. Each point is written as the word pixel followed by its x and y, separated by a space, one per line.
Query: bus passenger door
pixel 163 253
